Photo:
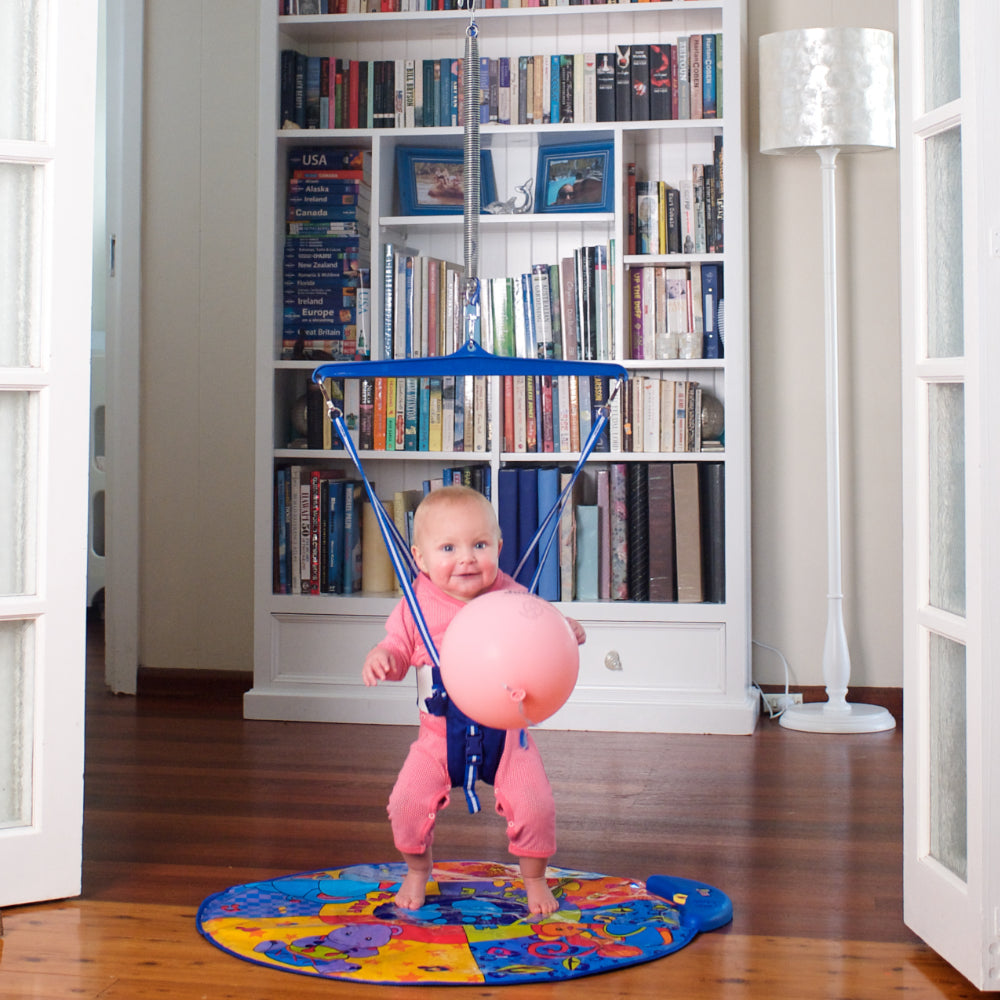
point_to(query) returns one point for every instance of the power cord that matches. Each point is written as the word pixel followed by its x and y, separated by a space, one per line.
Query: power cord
pixel 785 699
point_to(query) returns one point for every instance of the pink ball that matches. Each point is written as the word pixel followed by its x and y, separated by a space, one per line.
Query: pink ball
pixel 509 660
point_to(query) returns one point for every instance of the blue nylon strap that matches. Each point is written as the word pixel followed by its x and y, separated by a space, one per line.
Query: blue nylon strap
pixel 469 359
pixel 401 563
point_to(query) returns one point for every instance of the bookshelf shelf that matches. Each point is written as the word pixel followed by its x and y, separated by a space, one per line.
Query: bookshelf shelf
pixel 668 666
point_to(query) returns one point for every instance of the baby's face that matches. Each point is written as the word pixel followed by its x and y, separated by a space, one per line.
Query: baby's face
pixel 458 547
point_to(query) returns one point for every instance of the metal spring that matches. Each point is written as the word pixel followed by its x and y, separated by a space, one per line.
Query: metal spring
pixel 471 151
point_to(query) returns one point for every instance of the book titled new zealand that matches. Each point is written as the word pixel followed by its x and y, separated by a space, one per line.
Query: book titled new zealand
pixel 619 533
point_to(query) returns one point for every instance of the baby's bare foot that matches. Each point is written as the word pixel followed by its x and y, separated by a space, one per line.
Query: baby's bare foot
pixel 412 891
pixel 540 897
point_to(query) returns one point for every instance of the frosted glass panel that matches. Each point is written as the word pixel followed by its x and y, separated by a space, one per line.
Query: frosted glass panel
pixel 945 336
pixel 18 503
pixel 17 656
pixel 22 36
pixel 942 69
pixel 948 756
pixel 946 495
pixel 20 263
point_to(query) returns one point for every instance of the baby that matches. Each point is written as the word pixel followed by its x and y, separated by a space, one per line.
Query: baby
pixel 456 544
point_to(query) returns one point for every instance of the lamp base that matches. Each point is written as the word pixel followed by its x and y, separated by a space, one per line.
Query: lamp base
pixel 823 717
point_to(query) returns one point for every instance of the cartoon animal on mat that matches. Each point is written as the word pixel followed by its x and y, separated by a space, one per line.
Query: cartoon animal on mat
pixel 330 952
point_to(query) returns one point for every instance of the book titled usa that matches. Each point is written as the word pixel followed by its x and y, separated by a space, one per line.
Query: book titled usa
pixel 313 158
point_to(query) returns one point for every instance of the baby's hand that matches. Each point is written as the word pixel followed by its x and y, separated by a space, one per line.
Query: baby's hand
pixel 377 667
pixel 578 630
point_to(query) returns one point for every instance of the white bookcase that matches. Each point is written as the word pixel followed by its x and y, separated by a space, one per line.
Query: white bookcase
pixel 658 667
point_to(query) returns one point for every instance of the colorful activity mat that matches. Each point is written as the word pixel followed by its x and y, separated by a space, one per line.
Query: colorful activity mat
pixel 473 929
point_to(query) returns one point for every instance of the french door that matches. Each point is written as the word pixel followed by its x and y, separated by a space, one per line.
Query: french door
pixel 950 278
pixel 48 54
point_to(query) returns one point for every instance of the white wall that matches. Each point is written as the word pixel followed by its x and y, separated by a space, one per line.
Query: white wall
pixel 197 378
pixel 198 333
pixel 787 388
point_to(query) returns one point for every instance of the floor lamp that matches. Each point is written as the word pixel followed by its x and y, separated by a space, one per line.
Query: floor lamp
pixel 831 90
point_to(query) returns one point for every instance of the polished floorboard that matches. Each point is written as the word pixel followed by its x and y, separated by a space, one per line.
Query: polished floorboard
pixel 183 797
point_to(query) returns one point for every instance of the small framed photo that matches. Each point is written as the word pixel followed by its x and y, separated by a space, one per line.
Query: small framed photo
pixel 575 178
pixel 432 180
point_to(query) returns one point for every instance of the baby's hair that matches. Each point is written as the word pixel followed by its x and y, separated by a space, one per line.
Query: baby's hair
pixel 445 496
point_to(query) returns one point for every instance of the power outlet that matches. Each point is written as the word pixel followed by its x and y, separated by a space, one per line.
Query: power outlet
pixel 778 700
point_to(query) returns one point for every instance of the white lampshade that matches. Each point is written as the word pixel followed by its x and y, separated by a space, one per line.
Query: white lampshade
pixel 827 87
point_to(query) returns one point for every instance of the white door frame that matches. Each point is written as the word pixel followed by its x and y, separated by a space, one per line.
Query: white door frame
pixel 957 913
pixel 44 619
pixel 124 301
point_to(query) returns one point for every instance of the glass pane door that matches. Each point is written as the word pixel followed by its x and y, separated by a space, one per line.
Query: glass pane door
pixel 46 222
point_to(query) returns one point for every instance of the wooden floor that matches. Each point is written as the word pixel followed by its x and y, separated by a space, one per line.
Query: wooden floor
pixel 184 798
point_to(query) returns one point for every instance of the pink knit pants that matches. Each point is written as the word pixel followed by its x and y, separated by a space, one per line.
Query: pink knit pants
pixel 522 791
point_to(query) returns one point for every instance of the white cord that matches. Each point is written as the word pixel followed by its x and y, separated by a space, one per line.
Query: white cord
pixel 785 699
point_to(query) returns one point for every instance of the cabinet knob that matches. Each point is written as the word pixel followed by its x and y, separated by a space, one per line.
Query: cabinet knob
pixel 613 661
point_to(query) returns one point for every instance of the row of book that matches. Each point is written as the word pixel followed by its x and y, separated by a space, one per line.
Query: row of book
pixel 304 7
pixel 326 536
pixel 440 414
pixel 632 531
pixel 540 414
pixel 325 291
pixel 645 82
pixel 674 312
pixel 681 217
pixel 562 310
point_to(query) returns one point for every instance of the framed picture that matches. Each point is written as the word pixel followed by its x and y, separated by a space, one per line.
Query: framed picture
pixel 575 178
pixel 432 180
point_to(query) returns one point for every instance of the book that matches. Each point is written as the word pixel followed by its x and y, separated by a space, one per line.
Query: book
pixel 638 528
pixel 334 578
pixel 377 574
pixel 548 545
pixel 713 524
pixel 659 493
pixel 586 518
pixel 687 533
pixel 660 82
pixel 605 87
pixel 353 495
pixel 507 499
pixel 603 485
pixel 711 296
pixel 527 522
pixel 623 83
pixel 567 541
pixel 619 540
pixel 640 106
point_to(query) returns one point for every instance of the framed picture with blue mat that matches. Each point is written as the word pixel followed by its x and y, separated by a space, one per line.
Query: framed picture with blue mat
pixel 432 180
pixel 473 929
pixel 577 178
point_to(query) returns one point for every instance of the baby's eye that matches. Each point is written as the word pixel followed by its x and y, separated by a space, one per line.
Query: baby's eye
pixel 448 547
pixel 482 545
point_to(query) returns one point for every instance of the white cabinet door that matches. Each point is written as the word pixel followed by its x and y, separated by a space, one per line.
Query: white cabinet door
pixel 950 274
pixel 48 55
